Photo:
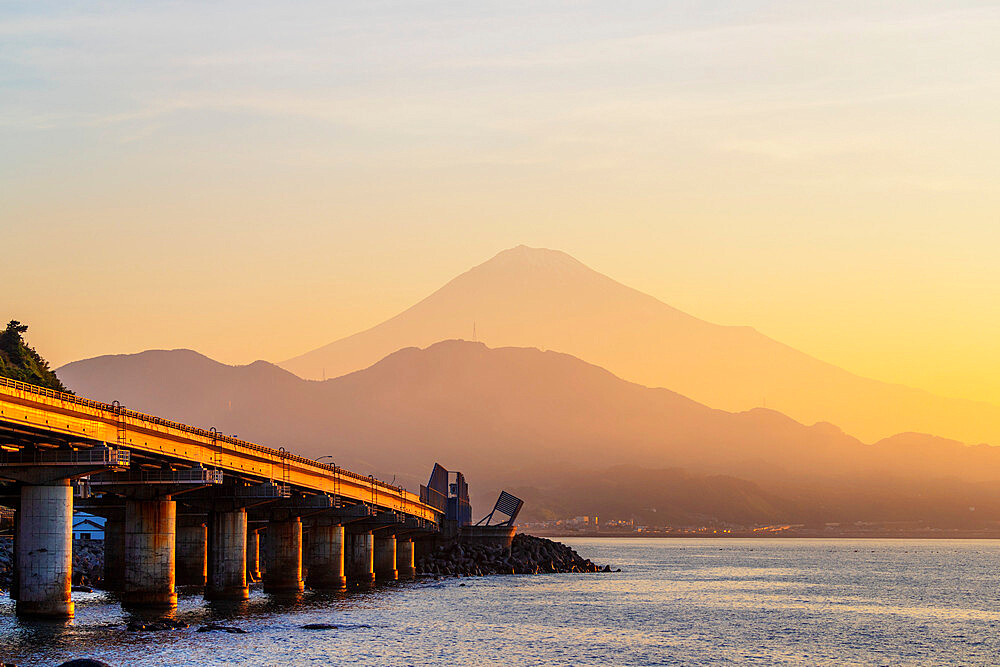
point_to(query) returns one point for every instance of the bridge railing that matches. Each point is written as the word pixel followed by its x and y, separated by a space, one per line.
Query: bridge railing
pixel 104 456
pixel 216 437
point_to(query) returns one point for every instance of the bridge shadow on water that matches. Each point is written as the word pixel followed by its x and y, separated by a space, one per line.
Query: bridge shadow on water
pixel 103 626
pixel 102 618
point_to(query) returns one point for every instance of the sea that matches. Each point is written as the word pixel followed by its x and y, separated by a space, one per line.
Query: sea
pixel 675 602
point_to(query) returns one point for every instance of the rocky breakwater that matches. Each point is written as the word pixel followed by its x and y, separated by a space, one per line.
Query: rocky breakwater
pixel 88 562
pixel 527 555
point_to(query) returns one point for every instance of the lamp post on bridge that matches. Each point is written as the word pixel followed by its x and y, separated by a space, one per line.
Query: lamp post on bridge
pixel 334 464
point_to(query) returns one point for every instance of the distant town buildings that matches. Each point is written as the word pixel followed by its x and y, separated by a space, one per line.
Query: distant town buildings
pixel 588 525
pixel 583 522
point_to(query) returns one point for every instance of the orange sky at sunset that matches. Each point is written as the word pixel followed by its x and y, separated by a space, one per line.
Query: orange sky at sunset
pixel 253 182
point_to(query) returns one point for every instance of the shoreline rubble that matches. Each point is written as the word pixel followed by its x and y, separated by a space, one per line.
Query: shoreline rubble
pixel 88 563
pixel 527 555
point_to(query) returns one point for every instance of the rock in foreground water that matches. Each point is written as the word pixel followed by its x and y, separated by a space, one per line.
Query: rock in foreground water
pixel 155 626
pixel 213 627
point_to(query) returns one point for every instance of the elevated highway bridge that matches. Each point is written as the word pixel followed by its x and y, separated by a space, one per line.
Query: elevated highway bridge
pixel 186 505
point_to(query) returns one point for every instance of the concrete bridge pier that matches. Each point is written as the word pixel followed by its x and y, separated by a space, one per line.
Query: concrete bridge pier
pixel 405 566
pixel 192 552
pixel 114 553
pixel 253 555
pixel 384 557
pixel 227 556
pixel 150 538
pixel 359 557
pixel 283 557
pixel 43 532
pixel 326 558
pixel 43 551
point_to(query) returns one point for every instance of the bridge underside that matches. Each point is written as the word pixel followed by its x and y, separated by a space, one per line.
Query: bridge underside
pixel 219 511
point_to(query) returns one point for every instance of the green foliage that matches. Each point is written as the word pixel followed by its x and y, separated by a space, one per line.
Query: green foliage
pixel 19 361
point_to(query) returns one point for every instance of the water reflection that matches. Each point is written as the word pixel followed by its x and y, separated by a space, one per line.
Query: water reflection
pixel 677 602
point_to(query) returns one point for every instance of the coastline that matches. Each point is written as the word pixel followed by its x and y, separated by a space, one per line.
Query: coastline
pixel 785 535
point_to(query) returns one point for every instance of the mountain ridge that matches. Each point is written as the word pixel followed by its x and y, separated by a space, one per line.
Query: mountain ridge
pixel 519 416
pixel 529 297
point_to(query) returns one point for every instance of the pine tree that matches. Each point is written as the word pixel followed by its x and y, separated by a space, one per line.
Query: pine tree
pixel 19 361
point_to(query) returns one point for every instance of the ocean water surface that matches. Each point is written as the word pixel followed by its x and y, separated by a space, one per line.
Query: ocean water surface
pixel 676 602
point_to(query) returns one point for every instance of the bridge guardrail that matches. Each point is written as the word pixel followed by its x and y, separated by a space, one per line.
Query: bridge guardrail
pixel 217 437
pixel 191 475
pixel 106 456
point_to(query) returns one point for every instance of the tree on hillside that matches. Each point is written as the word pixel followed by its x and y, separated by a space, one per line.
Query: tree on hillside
pixel 19 361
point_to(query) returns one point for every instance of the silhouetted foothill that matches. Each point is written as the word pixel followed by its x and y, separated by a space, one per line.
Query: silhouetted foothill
pixel 707 466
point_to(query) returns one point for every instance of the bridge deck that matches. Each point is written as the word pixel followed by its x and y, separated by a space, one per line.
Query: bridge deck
pixel 27 411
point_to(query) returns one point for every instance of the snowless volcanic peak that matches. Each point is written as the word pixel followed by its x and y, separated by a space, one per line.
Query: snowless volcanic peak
pixel 522 296
pixel 523 260
pixel 534 297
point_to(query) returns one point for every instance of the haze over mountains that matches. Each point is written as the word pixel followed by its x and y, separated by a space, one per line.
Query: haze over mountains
pixel 558 428
pixel 527 297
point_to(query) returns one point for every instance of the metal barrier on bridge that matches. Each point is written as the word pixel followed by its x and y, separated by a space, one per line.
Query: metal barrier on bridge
pixel 116 413
pixel 186 476
pixel 108 456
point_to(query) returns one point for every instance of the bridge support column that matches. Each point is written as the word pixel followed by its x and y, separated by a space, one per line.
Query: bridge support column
pixel 114 553
pixel 359 558
pixel 150 538
pixel 384 558
pixel 404 559
pixel 44 551
pixel 227 556
pixel 192 554
pixel 283 557
pixel 326 558
pixel 253 555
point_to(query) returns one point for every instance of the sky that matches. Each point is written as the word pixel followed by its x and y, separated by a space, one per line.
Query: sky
pixel 253 180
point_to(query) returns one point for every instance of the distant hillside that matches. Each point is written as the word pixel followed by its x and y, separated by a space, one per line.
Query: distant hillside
pixel 532 297
pixel 527 418
pixel 19 361
pixel 668 497
pixel 680 498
